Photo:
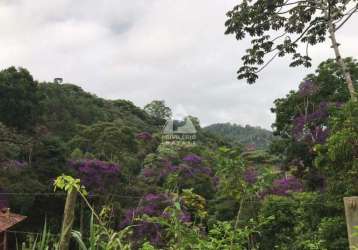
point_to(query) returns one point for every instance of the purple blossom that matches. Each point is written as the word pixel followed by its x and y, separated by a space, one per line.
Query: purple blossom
pixel 151 205
pixel 152 197
pixel 183 171
pixel 320 135
pixel 285 186
pixel 307 88
pixel 250 176
pixel 204 170
pixel 149 209
pixel 19 164
pixel 192 159
pixel 298 126
pixel 94 174
pixel 13 165
pixel 148 172
pixel 169 169
pixel 154 205
pixel 309 127
pixel 185 217
pixel 173 168
pixel 144 136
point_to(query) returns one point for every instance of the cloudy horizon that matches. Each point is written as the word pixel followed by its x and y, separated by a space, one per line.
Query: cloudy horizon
pixel 150 50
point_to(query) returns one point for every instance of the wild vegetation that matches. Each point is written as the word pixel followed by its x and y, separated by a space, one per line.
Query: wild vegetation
pixel 234 188
pixel 142 193
pixel 252 137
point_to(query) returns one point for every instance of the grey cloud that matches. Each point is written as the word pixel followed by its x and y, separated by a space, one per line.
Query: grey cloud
pixel 143 50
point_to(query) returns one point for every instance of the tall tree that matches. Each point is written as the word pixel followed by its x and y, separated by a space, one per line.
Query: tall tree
pixel 302 117
pixel 277 27
pixel 19 99
pixel 158 110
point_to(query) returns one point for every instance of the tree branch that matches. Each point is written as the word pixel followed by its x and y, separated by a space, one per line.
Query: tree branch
pixel 266 64
pixel 275 55
pixel 278 37
pixel 304 6
pixel 293 3
pixel 346 19
pixel 303 33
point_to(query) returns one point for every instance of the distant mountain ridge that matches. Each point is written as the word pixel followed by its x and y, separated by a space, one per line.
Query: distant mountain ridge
pixel 246 135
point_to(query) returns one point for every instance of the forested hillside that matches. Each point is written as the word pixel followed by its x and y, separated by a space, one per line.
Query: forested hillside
pixel 44 125
pixel 143 192
pixel 49 129
pixel 246 135
pixel 81 172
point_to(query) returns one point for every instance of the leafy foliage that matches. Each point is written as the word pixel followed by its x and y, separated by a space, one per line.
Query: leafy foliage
pixel 236 134
pixel 19 99
pixel 215 194
pixel 278 27
pixel 338 157
pixel 159 111
pixel 302 119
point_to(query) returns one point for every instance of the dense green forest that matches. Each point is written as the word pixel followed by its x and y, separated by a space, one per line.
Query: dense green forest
pixel 287 197
pixel 246 135
pixel 97 174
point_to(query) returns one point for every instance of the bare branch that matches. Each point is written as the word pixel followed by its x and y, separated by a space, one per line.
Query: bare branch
pixel 279 36
pixel 263 67
pixel 293 3
pixel 346 19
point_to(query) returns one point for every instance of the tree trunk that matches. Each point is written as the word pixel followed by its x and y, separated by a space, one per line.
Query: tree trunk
pixel 68 219
pixel 237 222
pixel 340 61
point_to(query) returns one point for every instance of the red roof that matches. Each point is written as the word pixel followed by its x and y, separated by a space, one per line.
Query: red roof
pixel 8 220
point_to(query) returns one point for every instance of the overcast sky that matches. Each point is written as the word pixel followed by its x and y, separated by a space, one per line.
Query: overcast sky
pixel 172 50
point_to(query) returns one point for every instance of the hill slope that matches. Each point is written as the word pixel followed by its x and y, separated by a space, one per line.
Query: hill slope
pixel 237 134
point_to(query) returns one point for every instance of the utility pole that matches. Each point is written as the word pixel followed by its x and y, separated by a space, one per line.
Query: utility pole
pixel 351 211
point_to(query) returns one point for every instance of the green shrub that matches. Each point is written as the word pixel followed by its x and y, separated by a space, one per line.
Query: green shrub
pixel 333 233
pixel 298 223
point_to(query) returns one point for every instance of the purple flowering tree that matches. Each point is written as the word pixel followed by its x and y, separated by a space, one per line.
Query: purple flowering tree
pixel 310 123
pixel 96 175
pixel 310 127
pixel 250 175
pixel 192 159
pixel 307 88
pixel 189 173
pixel 284 187
pixel 151 205
pixel 302 120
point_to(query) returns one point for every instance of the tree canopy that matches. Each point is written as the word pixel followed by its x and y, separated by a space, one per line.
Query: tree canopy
pixel 278 27
pixel 158 110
